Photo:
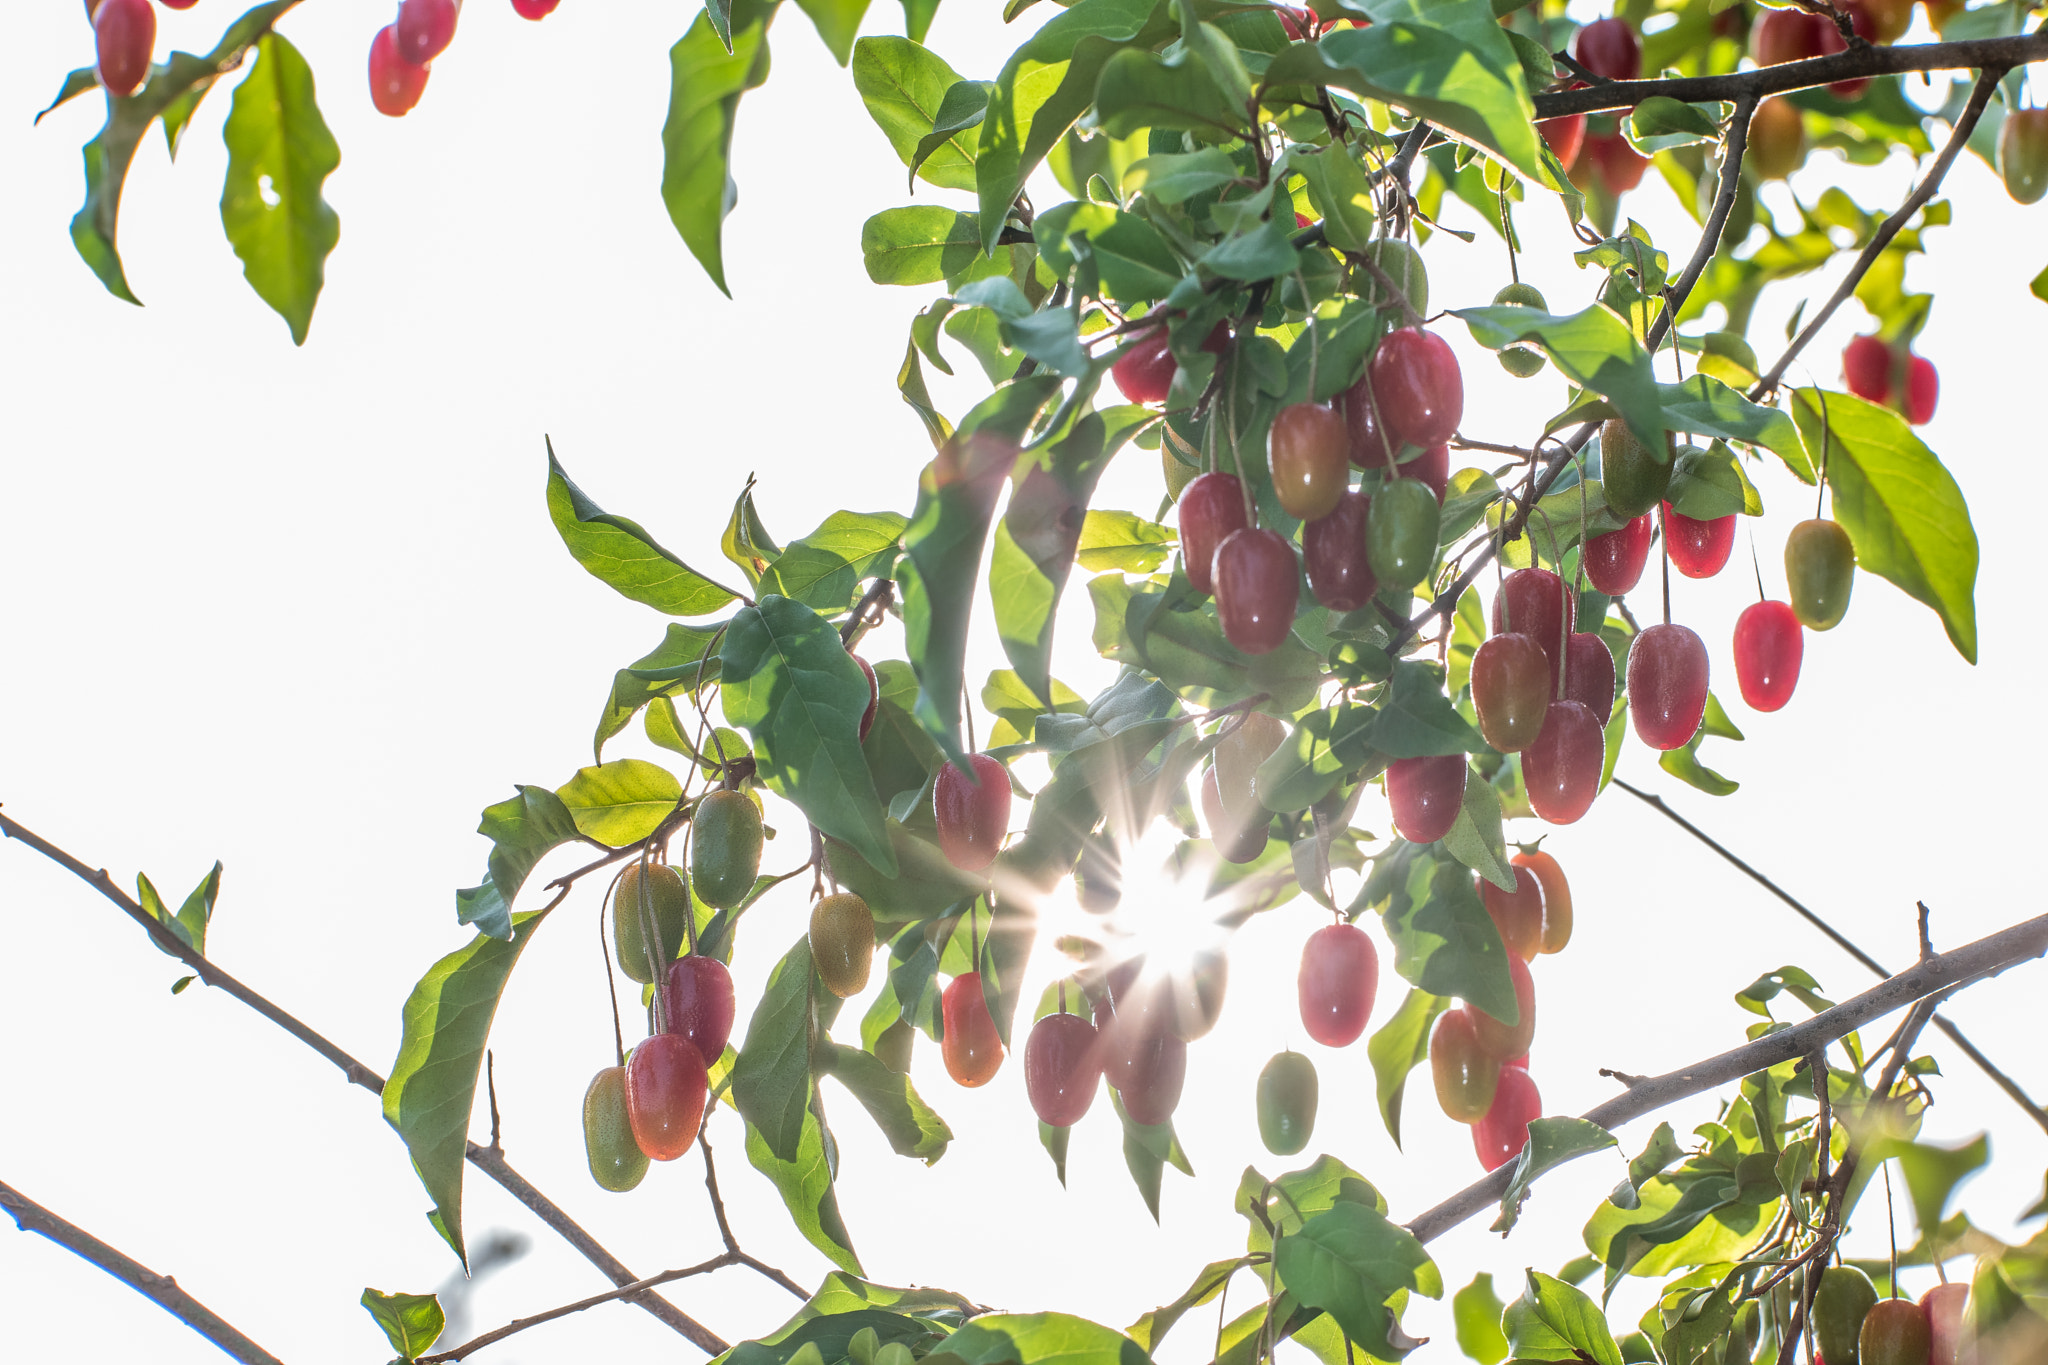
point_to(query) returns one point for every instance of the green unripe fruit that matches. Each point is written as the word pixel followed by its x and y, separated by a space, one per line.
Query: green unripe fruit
pixel 1820 569
pixel 1633 476
pixel 725 850
pixel 1400 533
pixel 1521 361
pixel 1403 265
pixel 1844 1299
pixel 1179 473
pixel 1287 1103
pixel 1895 1332
pixel 843 943
pixel 1519 295
pixel 655 888
pixel 616 1161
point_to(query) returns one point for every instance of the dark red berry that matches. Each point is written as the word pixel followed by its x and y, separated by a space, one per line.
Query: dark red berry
pixel 1425 796
pixel 1061 1068
pixel 1210 509
pixel 1565 137
pixel 395 84
pixel 1153 1080
pixel 1923 389
pixel 973 812
pixel 425 28
pixel 1257 584
pixel 666 1086
pixel 124 36
pixel 1614 562
pixel 1501 1135
pixel 1561 770
pixel 534 9
pixel 1145 371
pixel 1589 674
pixel 1340 975
pixel 1698 549
pixel 1610 48
pixel 1333 553
pixel 1538 604
pixel 1500 1040
pixel 971 1047
pixel 1238 841
pixel 1667 684
pixel 1768 647
pixel 1867 368
pixel 700 1003
pixel 1510 690
pixel 1420 389
pixel 1368 442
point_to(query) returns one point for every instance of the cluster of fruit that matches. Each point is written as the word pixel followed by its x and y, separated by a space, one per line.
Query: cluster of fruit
pixel 1892 375
pixel 402 54
pixel 1852 1326
pixel 124 38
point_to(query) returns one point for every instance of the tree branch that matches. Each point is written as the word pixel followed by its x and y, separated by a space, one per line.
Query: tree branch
pixel 1734 145
pixel 624 1291
pixel 162 1290
pixel 732 1244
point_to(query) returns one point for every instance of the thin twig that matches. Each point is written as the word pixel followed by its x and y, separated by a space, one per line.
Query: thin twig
pixel 725 1228
pixel 624 1291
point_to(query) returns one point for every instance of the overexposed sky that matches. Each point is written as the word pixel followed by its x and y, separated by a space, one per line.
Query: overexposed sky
pixel 302 611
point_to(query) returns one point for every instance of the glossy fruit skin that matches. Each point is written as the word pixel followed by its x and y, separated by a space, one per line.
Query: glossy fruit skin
pixel 1610 48
pixel 1211 508
pixel 1540 605
pixel 1510 690
pixel 1235 842
pixel 1521 361
pixel 616 1161
pixel 972 1049
pixel 1257 584
pixel 1777 139
pixel 972 818
pixel 1565 136
pixel 1518 914
pixel 534 9
pixel 425 28
pixel 843 942
pixel 1895 1332
pixel 666 1087
pixel 1768 648
pixel 867 717
pixel 1621 166
pixel 1145 371
pixel 1333 554
pixel 1431 469
pixel 1153 1080
pixel 1287 1096
pixel 124 36
pixel 1557 898
pixel 1667 684
pixel 725 848
pixel 1362 424
pixel 1401 533
pixel 1923 390
pixel 2023 154
pixel 700 1004
pixel 1502 1041
pixel 1499 1137
pixel 1402 264
pixel 1420 389
pixel 395 83
pixel 1466 1078
pixel 1844 1299
pixel 1867 368
pixel 668 898
pixel 1061 1068
pixel 1632 478
pixel 1307 452
pixel 1698 549
pixel 1561 770
pixel 1789 35
pixel 1614 562
pixel 1425 796
pixel 1340 975
pixel 1944 1305
pixel 1589 674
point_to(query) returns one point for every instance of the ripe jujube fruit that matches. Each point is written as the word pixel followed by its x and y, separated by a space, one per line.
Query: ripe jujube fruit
pixel 1144 372
pixel 1614 562
pixel 1211 508
pixel 700 1004
pixel 1152 1081
pixel 1194 993
pixel 1368 448
pixel 534 9
pixel 973 812
pixel 1466 1077
pixel 1340 975
pixel 1844 1298
pixel 1565 136
pixel 1257 583
pixel 1790 35
pixel 395 83
pixel 124 36
pixel 1944 1305
pixel 616 1161
pixel 1510 690
pixel 425 28
pixel 1499 1137
pixel 1621 166
pixel 666 1086
pixel 1589 674
pixel 1610 48
pixel 971 1046
pixel 1333 553
pixel 1895 1332
pixel 1421 392
pixel 1632 476
pixel 1287 1096
pixel 1561 770
pixel 658 890
pixel 1502 1041
pixel 1061 1068
pixel 1768 648
pixel 1777 139
pixel 1425 795
pixel 1306 451
pixel 1538 604
pixel 1667 684
pixel 1431 469
pixel 1557 898
pixel 1401 527
pixel 843 942
pixel 1698 549
pixel 725 848
pixel 1923 390
pixel 2023 154
pixel 1867 368
pixel 1237 841
pixel 1517 914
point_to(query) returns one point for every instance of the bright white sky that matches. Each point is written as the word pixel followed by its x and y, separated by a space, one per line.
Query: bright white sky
pixel 302 610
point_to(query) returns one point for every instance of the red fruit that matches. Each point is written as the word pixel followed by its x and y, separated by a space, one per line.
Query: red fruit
pixel 1333 552
pixel 1466 1078
pixel 1061 1068
pixel 1589 674
pixel 1614 562
pixel 425 28
pixel 1867 366
pixel 124 36
pixel 1501 1135
pixel 1299 24
pixel 1768 646
pixel 1667 684
pixel 1538 604
pixel 534 9
pixel 1621 166
pixel 1420 389
pixel 867 717
pixel 1698 549
pixel 1432 468
pixel 972 818
pixel 1145 371
pixel 1510 690
pixel 1425 796
pixel 1501 1041
pixel 1210 509
pixel 1565 135
pixel 700 1004
pixel 1944 1305
pixel 1562 768
pixel 1518 914
pixel 665 1092
pixel 1306 451
pixel 1362 424
pixel 1340 974
pixel 971 1047
pixel 395 83
pixel 1895 1332
pixel 1257 583
pixel 1923 388
pixel 1236 842
pixel 1610 48
pixel 1157 1070
pixel 172 4
pixel 1790 35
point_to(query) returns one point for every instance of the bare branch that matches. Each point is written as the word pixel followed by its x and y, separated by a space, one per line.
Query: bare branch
pixel 624 1291
pixel 725 1228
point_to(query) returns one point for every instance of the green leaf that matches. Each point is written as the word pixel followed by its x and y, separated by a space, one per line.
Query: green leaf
pixel 771 1084
pixel 1151 1329
pixel 2039 288
pixel 1313 760
pixel 1660 123
pixel 837 21
pixel 904 86
pixel 1054 1140
pixel 279 155
pixel 1902 510
pixel 433 1082
pixel 746 542
pixel 677 664
pixel 789 682
pixel 903 1116
pixel 825 568
pixel 1707 484
pixel 1475 838
pixel 1476 1311
pixel 522 830
pixel 1338 186
pixel 1123 540
pixel 76 83
pixel 1032 1338
pixel 1148 1150
pixel 1141 89
pixel 616 551
pixel 1131 258
pixel 1594 349
pixel 707 76
pixel 193 917
pixel 1552 1142
pixel 1265 252
pixel 1418 721
pixel 956 126
pixel 919 244
pixel 1445 942
pixel 1176 177
pixel 1705 406
pixel 1401 1045
pixel 1349 1260
pixel 620 802
pixel 1684 764
pixel 1932 1174
pixel 805 1184
pixel 1556 1321
pixel 815 1337
pixel 412 1322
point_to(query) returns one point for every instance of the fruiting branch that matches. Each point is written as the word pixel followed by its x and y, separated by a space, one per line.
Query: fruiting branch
pixel 162 1290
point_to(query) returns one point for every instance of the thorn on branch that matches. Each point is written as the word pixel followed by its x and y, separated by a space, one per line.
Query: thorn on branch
pixel 1625 1078
pixel 1926 942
